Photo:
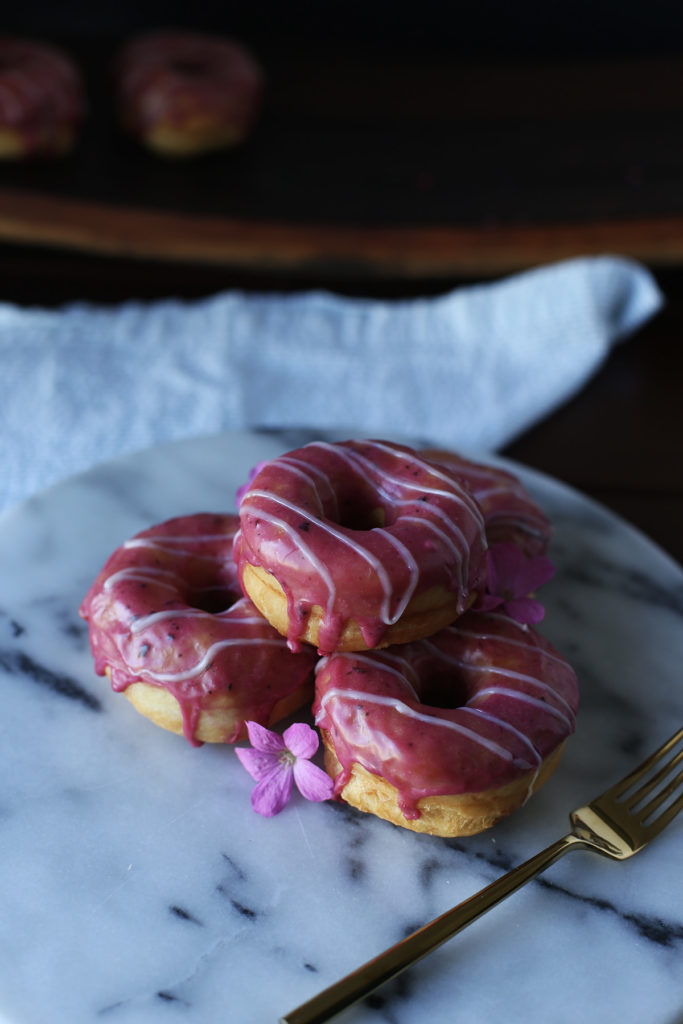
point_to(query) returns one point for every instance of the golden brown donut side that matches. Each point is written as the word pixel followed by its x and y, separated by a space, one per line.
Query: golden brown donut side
pixel 426 614
pixel 464 814
pixel 220 718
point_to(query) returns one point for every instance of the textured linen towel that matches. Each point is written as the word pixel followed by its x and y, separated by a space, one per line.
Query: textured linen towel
pixel 470 369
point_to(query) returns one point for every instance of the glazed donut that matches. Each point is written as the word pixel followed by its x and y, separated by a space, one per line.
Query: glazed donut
pixel 446 735
pixel 510 513
pixel 184 93
pixel 41 99
pixel 359 544
pixel 160 630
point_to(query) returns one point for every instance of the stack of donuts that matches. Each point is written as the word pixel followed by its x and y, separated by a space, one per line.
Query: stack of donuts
pixel 180 94
pixel 353 582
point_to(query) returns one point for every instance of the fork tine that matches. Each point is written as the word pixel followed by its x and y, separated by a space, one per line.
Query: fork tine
pixel 635 776
pixel 653 828
pixel 648 810
pixel 639 794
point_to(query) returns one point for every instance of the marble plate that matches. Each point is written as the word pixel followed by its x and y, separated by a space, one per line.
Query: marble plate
pixel 137 886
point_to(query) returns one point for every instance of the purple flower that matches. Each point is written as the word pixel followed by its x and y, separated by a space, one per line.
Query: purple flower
pixel 276 762
pixel 242 490
pixel 511 579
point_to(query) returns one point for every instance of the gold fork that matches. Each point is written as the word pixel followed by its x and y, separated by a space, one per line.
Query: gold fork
pixel 617 824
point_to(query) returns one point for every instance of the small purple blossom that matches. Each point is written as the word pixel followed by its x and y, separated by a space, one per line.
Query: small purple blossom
pixel 277 762
pixel 242 490
pixel 512 578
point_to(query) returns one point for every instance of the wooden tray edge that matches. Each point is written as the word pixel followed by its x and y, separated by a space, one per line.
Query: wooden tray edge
pixel 399 251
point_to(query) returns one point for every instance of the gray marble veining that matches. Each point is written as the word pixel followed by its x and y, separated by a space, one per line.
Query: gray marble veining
pixel 137 886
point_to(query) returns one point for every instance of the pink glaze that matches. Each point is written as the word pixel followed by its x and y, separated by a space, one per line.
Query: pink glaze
pixel 156 614
pixel 510 513
pixel 360 528
pixel 174 77
pixel 510 699
pixel 41 94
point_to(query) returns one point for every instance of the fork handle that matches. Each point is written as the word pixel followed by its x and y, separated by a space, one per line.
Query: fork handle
pixel 387 965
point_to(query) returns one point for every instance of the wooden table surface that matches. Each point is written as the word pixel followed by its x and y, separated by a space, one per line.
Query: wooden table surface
pixel 396 178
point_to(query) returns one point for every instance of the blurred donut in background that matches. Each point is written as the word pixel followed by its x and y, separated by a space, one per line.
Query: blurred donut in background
pixel 42 99
pixel 182 94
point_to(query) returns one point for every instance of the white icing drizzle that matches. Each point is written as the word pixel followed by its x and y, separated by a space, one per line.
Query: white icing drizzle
pixel 414 574
pixel 144 574
pixel 455 491
pixel 378 664
pixel 528 699
pixel 471 634
pixel 172 546
pixel 170 541
pixel 307 468
pixel 486 484
pixel 461 555
pixel 509 674
pixel 153 618
pixel 298 541
pixel 505 725
pixel 404 709
pixel 201 666
pixel 517 523
pixel 387 654
pixel 466 499
pixel 291 466
pixel 138 625
pixel 484 493
pixel 521 627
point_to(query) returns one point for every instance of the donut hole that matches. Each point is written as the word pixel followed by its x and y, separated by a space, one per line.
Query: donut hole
pixel 444 689
pixel 361 520
pixel 189 67
pixel 361 512
pixel 214 600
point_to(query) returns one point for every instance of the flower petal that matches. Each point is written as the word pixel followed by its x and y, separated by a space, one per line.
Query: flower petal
pixel 257 763
pixel 526 610
pixel 273 791
pixel 301 740
pixel 312 782
pixel 487 602
pixel 533 574
pixel 263 739
pixel 503 562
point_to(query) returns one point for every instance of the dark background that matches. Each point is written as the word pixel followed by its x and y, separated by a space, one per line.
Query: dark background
pixel 529 28
pixel 597 137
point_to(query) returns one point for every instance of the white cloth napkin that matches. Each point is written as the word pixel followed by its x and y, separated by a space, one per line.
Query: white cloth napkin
pixel 470 369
